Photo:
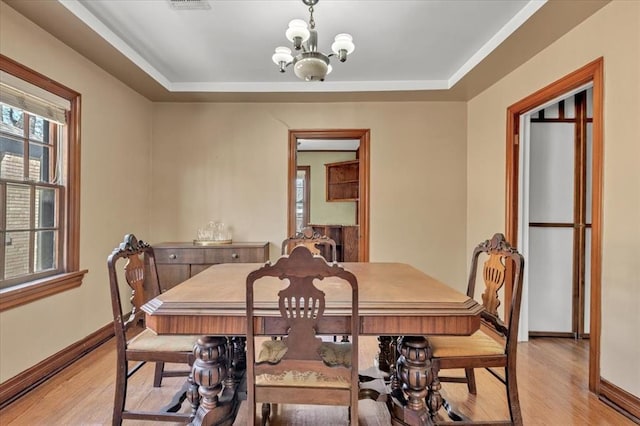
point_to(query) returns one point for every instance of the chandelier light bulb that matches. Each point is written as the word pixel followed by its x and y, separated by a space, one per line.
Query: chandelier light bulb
pixel 297 33
pixel 282 57
pixel 343 46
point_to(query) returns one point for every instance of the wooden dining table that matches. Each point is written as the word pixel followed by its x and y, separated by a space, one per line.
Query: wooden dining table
pixel 397 302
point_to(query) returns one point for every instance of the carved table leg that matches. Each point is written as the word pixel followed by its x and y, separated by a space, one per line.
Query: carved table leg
pixel 209 372
pixel 239 355
pixel 394 383
pixel 384 355
pixel 434 398
pixel 229 381
pixel 237 363
pixel 414 372
pixel 192 395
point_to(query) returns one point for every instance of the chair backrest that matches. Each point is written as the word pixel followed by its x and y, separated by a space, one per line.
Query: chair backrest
pixel 140 262
pixel 503 263
pixel 301 305
pixel 310 239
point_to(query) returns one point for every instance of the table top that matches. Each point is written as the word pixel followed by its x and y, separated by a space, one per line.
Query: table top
pixel 394 299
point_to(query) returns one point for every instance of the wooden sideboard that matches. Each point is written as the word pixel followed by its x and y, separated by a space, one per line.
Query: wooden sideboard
pixel 176 262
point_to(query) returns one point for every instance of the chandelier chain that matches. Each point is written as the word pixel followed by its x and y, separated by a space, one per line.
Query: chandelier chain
pixel 312 22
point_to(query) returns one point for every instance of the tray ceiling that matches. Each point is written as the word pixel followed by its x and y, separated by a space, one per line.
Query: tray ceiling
pixel 403 48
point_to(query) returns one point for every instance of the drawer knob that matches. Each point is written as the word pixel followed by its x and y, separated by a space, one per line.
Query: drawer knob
pixel 172 256
pixel 234 255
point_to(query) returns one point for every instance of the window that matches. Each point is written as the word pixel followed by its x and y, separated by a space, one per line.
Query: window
pixel 39 186
pixel 302 197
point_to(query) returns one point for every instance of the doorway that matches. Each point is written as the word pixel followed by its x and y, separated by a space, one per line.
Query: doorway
pixel 555 216
pixel 356 195
pixel 591 73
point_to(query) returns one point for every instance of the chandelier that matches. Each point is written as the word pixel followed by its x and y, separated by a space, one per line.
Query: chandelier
pixel 310 64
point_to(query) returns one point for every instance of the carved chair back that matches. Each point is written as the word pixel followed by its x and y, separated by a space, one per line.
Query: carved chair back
pixel 301 306
pixel 309 238
pixel 134 252
pixel 503 264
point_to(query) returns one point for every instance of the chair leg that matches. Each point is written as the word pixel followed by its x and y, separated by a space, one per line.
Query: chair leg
pixel 251 405
pixel 157 376
pixel 120 392
pixel 353 415
pixel 512 398
pixel 266 412
pixel 471 380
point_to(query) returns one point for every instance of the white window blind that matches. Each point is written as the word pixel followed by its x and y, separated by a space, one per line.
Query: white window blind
pixel 23 95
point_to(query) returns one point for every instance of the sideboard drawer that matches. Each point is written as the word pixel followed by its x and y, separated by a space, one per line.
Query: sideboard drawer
pixel 234 255
pixel 179 255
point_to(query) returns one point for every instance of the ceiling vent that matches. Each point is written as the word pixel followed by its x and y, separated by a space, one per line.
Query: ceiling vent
pixel 189 4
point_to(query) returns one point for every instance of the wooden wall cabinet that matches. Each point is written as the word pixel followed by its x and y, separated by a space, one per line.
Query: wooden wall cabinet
pixel 343 180
pixel 346 238
pixel 177 262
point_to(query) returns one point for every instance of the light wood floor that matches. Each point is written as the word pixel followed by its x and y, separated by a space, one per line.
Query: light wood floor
pixel 552 376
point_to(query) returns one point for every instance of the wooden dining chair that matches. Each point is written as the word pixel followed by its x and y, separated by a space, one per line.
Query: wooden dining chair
pixel 301 368
pixel 313 241
pixel 145 346
pixel 317 245
pixel 495 344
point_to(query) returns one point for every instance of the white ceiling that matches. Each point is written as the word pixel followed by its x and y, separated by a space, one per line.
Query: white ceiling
pixel 400 44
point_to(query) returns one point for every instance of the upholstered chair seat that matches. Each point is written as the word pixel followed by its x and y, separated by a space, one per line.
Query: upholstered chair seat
pixel 148 341
pixel 332 353
pixel 478 344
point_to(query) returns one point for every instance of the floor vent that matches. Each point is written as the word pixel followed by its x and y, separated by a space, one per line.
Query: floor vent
pixel 189 4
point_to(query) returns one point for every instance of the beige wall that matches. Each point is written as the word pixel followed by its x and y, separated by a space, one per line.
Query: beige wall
pixel 116 147
pixel 614 33
pixel 323 212
pixel 229 162
pixel 443 161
